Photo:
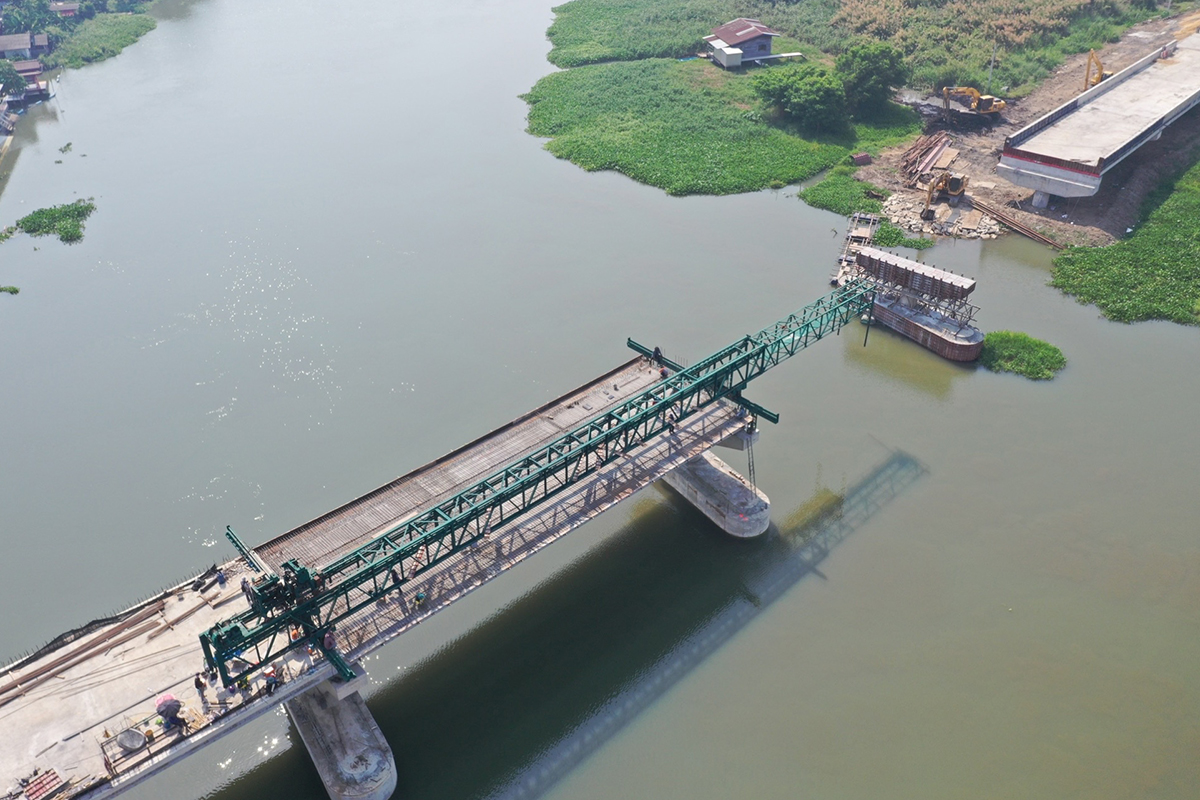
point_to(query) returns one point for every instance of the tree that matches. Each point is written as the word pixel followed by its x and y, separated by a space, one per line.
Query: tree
pixel 10 79
pixel 28 15
pixel 807 93
pixel 871 73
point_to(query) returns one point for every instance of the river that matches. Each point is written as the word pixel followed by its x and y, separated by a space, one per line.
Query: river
pixel 326 251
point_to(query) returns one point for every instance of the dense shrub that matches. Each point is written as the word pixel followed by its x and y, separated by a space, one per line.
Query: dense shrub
pixel 807 93
pixel 871 72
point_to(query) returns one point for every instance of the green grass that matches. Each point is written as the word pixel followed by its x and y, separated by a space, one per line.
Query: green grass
pixel 682 127
pixel 99 38
pixel 889 235
pixel 686 127
pixel 944 41
pixel 596 31
pixel 1006 351
pixel 1155 273
pixel 10 289
pixel 840 192
pixel 65 221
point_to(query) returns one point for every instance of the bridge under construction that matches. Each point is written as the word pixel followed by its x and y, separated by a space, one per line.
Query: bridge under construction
pixel 108 705
pixel 1068 151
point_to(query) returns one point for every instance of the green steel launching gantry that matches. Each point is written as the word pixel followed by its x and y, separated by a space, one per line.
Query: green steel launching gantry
pixel 296 609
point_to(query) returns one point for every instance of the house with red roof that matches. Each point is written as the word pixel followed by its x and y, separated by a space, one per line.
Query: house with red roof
pixel 740 40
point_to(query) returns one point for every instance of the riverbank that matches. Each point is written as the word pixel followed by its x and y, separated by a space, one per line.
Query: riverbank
pixel 624 102
pixel 1154 273
pixel 687 127
pixel 99 38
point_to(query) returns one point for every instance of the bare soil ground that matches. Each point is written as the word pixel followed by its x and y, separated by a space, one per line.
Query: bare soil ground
pixel 1097 220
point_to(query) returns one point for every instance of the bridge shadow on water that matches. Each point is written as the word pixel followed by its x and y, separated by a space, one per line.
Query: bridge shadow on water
pixel 508 709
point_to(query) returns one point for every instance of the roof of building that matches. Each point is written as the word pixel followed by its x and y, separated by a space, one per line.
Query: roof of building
pixel 15 41
pixel 32 65
pixel 64 7
pixel 740 30
pixel 41 40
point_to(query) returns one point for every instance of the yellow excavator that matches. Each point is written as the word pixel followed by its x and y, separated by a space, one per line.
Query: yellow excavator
pixel 984 104
pixel 949 185
pixel 1090 79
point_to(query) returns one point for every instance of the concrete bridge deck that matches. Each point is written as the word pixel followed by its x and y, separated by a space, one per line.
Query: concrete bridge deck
pixel 1067 152
pixel 61 711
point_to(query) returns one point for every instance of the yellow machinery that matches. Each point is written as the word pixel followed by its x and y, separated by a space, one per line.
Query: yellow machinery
pixel 984 104
pixel 1090 79
pixel 950 185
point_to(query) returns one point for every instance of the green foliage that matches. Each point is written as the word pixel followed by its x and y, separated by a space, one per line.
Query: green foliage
pixel 688 128
pixel 842 194
pixel 808 93
pixel 944 42
pixel 889 235
pixel 892 125
pixel 99 38
pixel 871 73
pixel 594 31
pixel 10 289
pixel 65 221
pixel 28 15
pixel 1155 273
pixel 1006 351
pixel 10 79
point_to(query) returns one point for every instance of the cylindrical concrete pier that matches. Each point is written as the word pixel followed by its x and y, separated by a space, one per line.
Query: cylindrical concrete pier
pixel 724 496
pixel 345 743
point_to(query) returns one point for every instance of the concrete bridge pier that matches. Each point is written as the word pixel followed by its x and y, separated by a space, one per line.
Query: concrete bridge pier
pixel 344 741
pixel 722 495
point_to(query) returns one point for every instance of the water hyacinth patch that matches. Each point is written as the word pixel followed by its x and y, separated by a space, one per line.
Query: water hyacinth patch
pixel 1154 274
pixel 1007 351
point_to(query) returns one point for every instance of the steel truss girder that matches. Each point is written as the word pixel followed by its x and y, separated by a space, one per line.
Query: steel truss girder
pixel 254 638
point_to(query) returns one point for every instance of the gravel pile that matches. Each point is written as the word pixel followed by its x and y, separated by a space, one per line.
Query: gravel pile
pixel 962 222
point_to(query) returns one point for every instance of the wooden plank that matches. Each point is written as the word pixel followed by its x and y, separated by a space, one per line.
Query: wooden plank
pixel 943 161
pixel 81 657
pixel 92 645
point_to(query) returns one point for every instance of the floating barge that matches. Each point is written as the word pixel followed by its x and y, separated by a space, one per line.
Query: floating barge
pixel 917 301
pixel 923 303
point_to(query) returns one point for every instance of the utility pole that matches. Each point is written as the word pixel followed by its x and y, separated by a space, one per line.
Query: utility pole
pixel 990 67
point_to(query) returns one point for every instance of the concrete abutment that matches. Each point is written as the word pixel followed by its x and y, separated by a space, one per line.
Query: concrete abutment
pixel 344 741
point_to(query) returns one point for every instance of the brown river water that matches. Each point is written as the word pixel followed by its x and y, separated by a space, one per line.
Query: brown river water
pixel 326 252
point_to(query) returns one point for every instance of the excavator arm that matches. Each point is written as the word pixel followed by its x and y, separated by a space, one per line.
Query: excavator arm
pixel 1090 79
pixel 984 104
